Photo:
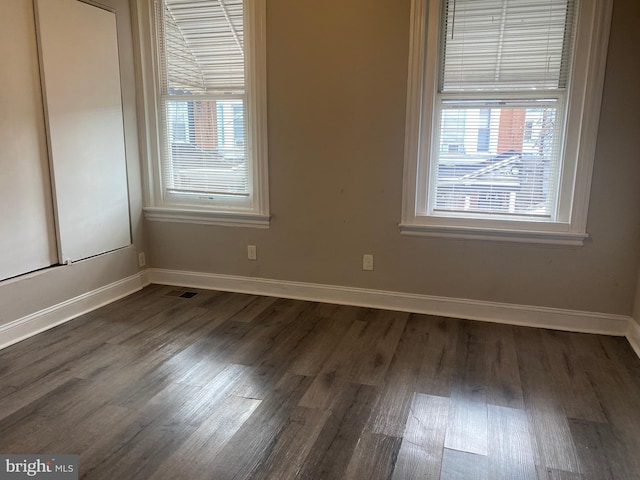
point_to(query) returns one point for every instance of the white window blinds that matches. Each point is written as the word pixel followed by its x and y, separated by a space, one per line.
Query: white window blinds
pixel 202 99
pixel 506 45
pixel 500 108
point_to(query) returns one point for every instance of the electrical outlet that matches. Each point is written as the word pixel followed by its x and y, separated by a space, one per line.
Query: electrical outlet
pixel 367 262
pixel 142 261
pixel 252 252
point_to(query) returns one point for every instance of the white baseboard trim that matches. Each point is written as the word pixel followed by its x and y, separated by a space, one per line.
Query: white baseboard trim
pixel 524 315
pixel 145 279
pixel 633 335
pixel 47 318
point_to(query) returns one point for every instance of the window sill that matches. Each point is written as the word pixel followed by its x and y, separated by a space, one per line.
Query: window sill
pixel 474 233
pixel 204 217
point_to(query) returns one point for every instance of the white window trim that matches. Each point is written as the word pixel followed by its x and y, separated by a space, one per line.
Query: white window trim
pixel 157 208
pixel 594 20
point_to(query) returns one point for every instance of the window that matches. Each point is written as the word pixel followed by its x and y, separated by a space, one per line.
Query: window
pixel 503 102
pixel 206 109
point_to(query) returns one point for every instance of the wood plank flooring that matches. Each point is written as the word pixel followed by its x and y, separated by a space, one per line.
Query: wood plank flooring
pixel 230 386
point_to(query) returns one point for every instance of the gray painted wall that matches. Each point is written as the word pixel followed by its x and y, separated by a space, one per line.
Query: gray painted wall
pixel 636 308
pixel 336 106
pixel 337 89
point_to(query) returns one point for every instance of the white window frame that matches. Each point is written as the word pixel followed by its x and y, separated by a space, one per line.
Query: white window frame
pixel 585 95
pixel 252 212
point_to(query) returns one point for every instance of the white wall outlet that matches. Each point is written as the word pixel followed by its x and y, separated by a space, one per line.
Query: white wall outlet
pixel 367 262
pixel 142 261
pixel 252 252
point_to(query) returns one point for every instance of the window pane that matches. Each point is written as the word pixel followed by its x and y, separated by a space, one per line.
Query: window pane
pixel 206 148
pixel 498 160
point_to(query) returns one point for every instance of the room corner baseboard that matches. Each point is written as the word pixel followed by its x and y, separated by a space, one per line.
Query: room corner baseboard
pixel 633 335
pixel 523 315
pixel 47 318
pixel 145 279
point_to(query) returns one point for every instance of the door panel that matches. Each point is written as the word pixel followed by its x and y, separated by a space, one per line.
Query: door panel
pixel 81 84
pixel 27 234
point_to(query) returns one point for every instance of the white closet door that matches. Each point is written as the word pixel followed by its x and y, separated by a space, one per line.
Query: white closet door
pixel 27 236
pixel 81 79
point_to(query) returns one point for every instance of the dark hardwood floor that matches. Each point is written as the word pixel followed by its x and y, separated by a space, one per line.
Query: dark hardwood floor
pixel 230 386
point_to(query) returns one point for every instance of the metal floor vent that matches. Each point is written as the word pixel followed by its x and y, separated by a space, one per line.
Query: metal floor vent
pixel 181 294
